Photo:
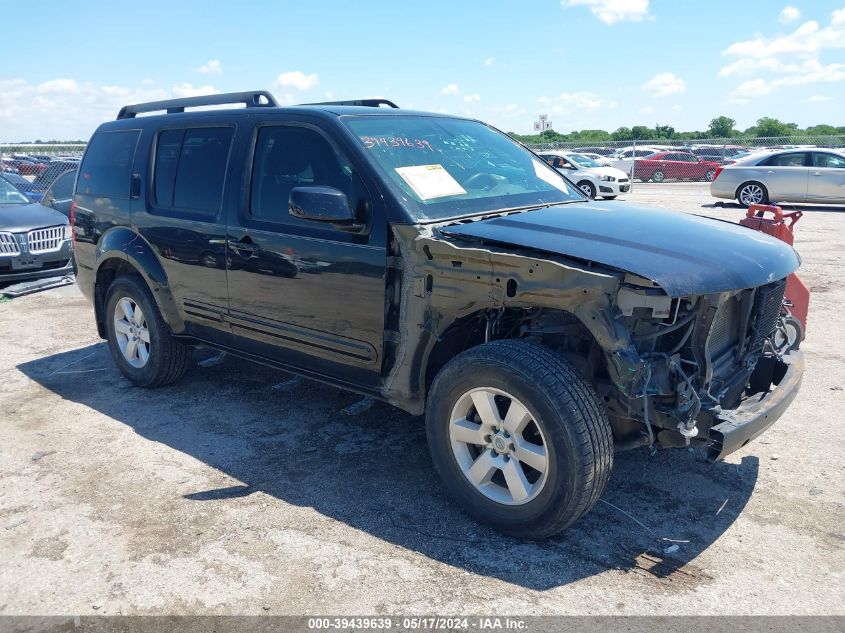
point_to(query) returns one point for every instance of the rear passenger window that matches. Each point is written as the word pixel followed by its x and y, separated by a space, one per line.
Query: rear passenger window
pixel 785 160
pixel 190 169
pixel 107 167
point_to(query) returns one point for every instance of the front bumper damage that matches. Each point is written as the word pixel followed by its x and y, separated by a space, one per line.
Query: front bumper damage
pixel 734 428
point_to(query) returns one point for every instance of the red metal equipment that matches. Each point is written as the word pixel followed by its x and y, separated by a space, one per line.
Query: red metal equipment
pixel 797 298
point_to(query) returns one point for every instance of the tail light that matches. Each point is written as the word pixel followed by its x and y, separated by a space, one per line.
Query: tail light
pixel 73 223
pixel 718 171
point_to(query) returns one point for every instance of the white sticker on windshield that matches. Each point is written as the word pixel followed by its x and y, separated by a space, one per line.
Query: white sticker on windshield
pixel 430 181
pixel 546 173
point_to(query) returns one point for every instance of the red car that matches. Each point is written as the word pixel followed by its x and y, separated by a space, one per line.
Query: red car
pixel 674 166
pixel 23 167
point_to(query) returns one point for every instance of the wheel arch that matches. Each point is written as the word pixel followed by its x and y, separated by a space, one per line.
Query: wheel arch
pixel 122 252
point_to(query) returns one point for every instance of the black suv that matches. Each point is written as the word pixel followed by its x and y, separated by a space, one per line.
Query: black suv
pixel 432 262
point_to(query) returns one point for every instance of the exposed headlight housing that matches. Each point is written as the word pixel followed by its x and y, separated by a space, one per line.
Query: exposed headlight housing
pixel 607 178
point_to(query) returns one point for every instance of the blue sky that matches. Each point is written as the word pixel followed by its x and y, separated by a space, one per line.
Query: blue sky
pixel 585 63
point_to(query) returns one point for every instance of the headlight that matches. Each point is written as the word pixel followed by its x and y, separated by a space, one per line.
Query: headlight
pixel 607 178
pixel 67 231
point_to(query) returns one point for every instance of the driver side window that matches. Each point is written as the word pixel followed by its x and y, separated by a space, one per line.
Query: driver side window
pixel 289 156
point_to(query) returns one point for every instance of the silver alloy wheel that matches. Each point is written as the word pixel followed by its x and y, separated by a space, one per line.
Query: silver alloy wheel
pixel 710 175
pixel 586 188
pixel 658 176
pixel 131 332
pixel 499 454
pixel 751 194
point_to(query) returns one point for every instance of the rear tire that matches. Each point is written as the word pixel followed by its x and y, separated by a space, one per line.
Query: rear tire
pixel 752 192
pixel 609 197
pixel 710 175
pixel 141 344
pixel 535 454
pixel 658 176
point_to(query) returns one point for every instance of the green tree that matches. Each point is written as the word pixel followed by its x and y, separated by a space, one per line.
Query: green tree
pixel 639 132
pixel 663 131
pixel 768 127
pixel 821 130
pixel 622 134
pixel 721 127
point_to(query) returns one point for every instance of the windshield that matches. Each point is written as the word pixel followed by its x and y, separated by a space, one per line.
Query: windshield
pixel 10 195
pixel 584 161
pixel 443 168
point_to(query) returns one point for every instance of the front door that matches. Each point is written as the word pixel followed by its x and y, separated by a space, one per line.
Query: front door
pixel 303 292
pixel 827 178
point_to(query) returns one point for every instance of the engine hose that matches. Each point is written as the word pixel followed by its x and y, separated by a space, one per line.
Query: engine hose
pixel 670 328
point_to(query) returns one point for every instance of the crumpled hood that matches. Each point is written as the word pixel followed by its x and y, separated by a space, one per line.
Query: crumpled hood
pixel 685 254
pixel 20 218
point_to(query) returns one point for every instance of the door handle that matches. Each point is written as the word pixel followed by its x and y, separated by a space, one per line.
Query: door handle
pixel 242 247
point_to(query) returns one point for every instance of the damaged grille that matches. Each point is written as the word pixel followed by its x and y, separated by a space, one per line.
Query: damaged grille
pixel 767 306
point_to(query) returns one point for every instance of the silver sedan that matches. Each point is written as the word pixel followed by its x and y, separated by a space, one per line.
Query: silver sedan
pixel 807 175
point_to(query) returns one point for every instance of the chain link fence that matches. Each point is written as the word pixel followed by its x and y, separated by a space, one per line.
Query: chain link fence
pixel 673 160
pixel 32 168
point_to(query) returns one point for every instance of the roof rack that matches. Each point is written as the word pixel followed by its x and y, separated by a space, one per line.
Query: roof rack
pixel 370 103
pixel 251 99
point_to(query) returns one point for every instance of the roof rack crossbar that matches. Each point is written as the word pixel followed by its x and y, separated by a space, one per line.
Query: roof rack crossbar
pixel 251 99
pixel 371 103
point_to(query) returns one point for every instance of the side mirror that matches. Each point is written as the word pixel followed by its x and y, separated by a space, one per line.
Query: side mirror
pixel 322 204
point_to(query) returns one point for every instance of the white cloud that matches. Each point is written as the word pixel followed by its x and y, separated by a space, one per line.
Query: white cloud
pixel 645 110
pixel 664 84
pixel 489 61
pixel 808 40
pixel 297 80
pixel 59 86
pixel 612 11
pixel 329 94
pixel 750 89
pixel 473 97
pixel 44 111
pixel 451 89
pixel 188 90
pixel 819 98
pixel 567 101
pixel 211 67
pixel 789 14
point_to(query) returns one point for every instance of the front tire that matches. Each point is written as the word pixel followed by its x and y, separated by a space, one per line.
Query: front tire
pixel 658 176
pixel 588 189
pixel 519 438
pixel 141 344
pixel 710 175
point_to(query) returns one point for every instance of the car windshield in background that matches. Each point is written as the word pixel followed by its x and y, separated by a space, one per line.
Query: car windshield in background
pixel 444 168
pixel 584 161
pixel 10 195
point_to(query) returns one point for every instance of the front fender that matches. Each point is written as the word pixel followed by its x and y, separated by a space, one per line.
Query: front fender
pixel 122 243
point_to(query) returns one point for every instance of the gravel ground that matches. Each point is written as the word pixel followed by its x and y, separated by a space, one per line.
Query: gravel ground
pixel 225 495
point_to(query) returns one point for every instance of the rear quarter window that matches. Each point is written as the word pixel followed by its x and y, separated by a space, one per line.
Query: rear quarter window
pixel 107 166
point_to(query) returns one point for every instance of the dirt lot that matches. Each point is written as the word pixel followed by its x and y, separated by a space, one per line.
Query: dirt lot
pixel 224 495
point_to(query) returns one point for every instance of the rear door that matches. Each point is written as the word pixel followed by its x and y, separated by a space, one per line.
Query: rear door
pixel 303 292
pixel 786 176
pixel 183 217
pixel 827 178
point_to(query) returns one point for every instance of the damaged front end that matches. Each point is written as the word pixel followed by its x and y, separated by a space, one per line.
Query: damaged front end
pixel 713 373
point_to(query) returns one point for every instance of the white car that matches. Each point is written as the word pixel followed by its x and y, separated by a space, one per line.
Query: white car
pixel 604 161
pixel 624 158
pixel 590 177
